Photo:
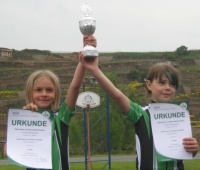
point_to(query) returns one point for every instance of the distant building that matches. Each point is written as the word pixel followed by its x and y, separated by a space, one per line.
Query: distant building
pixel 5 52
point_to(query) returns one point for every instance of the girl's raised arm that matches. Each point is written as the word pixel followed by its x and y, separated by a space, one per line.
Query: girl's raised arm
pixel 79 74
pixel 92 65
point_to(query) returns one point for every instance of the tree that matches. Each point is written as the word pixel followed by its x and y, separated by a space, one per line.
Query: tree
pixel 76 133
pixel 137 75
pixel 182 50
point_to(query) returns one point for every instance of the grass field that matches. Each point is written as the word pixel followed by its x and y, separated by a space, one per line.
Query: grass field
pixel 189 165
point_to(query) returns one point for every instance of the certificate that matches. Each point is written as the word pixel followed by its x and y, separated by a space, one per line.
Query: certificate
pixel 170 124
pixel 29 138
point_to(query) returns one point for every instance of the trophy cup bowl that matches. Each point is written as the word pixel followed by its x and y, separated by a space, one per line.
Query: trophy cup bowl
pixel 87 26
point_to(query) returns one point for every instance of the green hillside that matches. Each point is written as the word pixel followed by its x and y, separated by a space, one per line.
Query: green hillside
pixel 124 69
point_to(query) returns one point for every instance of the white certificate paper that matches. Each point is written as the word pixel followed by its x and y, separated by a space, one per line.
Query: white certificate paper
pixel 29 138
pixel 170 124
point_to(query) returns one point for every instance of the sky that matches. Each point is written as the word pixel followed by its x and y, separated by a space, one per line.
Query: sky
pixel 121 25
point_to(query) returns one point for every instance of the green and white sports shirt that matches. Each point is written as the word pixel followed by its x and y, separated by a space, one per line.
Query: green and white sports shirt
pixel 147 158
pixel 60 144
pixel 60 133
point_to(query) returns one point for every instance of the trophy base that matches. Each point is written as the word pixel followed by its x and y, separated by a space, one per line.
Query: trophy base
pixel 90 51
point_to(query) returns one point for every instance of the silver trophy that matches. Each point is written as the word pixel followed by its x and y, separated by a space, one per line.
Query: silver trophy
pixel 87 26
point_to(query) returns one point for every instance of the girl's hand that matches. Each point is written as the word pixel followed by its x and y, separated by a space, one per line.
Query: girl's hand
pixel 191 145
pixel 89 40
pixel 89 63
pixel 31 106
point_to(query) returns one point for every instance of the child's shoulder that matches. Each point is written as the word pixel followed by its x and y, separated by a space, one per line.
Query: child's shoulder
pixel 136 105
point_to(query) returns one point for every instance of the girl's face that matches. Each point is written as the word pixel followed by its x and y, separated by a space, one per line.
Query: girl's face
pixel 161 90
pixel 43 93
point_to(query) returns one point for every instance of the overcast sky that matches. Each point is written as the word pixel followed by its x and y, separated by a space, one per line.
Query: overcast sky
pixel 122 25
